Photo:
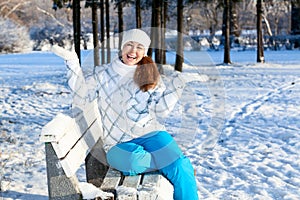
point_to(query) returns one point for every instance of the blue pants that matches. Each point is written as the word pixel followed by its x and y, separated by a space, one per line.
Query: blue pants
pixel 156 151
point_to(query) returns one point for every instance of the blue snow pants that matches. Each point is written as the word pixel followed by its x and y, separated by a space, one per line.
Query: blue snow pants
pixel 156 151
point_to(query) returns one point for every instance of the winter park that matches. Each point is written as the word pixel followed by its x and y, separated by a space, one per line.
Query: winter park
pixel 237 121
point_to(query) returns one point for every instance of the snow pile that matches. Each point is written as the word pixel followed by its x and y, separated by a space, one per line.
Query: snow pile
pixel 89 191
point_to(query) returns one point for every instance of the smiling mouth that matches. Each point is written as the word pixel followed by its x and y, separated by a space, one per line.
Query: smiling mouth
pixel 131 57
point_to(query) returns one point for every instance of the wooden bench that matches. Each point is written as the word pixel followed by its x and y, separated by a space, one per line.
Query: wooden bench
pixel 71 143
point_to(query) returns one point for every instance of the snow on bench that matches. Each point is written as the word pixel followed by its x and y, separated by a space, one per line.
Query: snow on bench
pixel 70 142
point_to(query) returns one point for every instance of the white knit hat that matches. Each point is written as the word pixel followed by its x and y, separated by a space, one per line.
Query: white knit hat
pixel 136 35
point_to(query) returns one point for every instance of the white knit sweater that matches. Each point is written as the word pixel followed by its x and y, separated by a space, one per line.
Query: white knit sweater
pixel 126 111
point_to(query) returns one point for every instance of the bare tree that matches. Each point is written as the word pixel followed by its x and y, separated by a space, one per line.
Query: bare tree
pixel 204 15
pixel 234 21
pixel 295 17
pixel 260 47
pixel 227 31
pixel 13 37
pixel 95 33
pixel 152 34
pixel 163 34
pixel 102 31
pixel 274 13
pixel 94 7
pixel 156 33
pixel 120 19
pixel 107 31
pixel 179 50
pixel 76 27
pixel 138 14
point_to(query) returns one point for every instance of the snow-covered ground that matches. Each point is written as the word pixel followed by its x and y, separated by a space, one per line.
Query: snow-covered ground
pixel 247 118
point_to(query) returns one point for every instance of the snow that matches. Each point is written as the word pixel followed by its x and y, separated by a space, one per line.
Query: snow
pixel 244 141
pixel 89 191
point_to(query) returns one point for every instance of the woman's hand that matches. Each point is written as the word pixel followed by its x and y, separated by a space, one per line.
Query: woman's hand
pixel 71 58
pixel 75 76
pixel 63 53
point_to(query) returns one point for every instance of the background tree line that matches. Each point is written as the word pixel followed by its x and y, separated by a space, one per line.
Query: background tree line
pixel 40 22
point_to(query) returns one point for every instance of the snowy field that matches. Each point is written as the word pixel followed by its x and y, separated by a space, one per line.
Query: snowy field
pixel 250 111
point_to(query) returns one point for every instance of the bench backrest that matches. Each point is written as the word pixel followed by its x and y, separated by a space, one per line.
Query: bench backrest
pixel 73 138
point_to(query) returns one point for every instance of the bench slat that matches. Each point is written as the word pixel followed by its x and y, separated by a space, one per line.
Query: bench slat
pixel 132 181
pixel 63 146
pixel 78 153
pixel 129 188
pixel 155 186
pixel 111 180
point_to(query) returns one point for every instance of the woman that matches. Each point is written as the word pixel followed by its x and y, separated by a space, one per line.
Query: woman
pixel 133 102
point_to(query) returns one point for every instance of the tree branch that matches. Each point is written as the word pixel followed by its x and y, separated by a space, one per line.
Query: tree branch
pixel 50 15
pixel 267 24
pixel 15 8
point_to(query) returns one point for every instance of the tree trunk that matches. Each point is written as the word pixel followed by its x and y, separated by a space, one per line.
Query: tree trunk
pixel 76 27
pixel 120 19
pixel 95 33
pixel 295 18
pixel 179 50
pixel 107 32
pixel 227 31
pixel 102 32
pixel 164 26
pixel 152 36
pixel 260 46
pixel 235 29
pixel 157 33
pixel 138 14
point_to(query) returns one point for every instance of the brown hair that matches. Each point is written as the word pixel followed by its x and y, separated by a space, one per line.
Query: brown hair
pixel 146 75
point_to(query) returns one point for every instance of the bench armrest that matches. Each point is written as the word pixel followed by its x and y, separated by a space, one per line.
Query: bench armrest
pixel 56 128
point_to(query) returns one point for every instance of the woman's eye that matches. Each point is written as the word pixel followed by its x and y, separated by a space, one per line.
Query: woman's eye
pixel 138 47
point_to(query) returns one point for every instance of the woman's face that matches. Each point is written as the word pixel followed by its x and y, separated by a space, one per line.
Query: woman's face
pixel 132 53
